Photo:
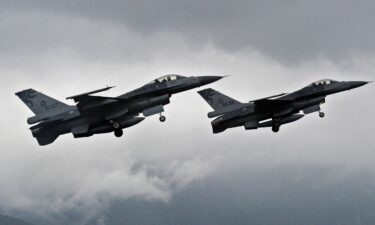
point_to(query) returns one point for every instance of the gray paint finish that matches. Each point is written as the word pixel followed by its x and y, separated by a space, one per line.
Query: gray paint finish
pixel 65 47
pixel 97 114
pixel 272 111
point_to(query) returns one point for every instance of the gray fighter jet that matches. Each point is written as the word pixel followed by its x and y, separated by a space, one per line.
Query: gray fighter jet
pixel 98 114
pixel 272 111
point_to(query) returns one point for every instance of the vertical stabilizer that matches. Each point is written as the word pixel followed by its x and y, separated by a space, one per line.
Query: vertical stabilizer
pixel 39 103
pixel 217 100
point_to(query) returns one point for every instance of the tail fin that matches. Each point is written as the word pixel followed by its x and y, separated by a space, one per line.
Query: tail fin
pixel 217 100
pixel 39 103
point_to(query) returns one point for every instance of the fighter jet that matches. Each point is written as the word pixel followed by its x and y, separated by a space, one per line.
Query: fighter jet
pixel 97 114
pixel 272 111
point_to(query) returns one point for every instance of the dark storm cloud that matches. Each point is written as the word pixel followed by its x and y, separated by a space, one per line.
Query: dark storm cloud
pixel 280 196
pixel 67 47
pixel 286 30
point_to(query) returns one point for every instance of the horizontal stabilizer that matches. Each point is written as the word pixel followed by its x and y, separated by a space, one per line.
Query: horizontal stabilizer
pixel 46 140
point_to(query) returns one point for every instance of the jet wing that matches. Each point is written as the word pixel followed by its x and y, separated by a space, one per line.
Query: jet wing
pixel 270 102
pixel 87 101
pixel 92 102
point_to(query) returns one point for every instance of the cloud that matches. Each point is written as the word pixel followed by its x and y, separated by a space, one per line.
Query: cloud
pixel 153 161
pixel 285 194
pixel 61 179
pixel 289 31
pixel 65 48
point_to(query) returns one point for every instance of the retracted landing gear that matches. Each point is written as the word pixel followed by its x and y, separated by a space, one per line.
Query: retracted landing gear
pixel 119 133
pixel 321 114
pixel 162 118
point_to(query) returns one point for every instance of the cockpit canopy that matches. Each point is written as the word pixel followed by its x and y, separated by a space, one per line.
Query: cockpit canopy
pixel 165 78
pixel 322 82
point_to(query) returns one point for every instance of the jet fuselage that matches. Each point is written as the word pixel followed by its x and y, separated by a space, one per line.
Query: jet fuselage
pixel 307 99
pixel 95 114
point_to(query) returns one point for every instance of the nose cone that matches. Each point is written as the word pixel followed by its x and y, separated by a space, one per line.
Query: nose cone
pixel 356 84
pixel 203 80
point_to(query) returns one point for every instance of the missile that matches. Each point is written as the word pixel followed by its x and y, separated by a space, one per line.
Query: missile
pixel 90 93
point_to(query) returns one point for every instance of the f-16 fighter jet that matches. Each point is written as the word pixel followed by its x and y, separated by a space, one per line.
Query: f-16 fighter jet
pixel 272 111
pixel 98 114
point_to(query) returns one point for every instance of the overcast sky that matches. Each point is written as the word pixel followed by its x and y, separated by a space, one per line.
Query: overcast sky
pixel 62 48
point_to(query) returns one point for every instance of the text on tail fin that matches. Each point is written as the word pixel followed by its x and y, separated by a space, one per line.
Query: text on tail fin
pixel 216 99
pixel 39 103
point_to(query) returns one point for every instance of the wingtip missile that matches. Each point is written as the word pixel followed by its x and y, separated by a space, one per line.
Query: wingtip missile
pixel 91 92
pixel 269 97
